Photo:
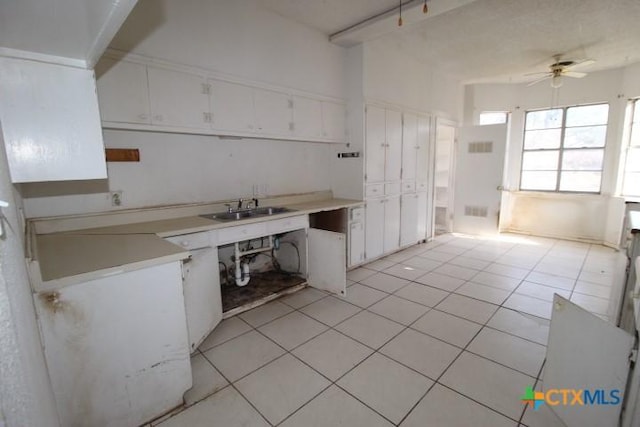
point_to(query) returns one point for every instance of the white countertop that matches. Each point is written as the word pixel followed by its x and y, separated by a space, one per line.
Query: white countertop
pixel 75 256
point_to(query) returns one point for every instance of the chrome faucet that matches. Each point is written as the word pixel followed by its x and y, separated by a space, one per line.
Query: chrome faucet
pixel 240 201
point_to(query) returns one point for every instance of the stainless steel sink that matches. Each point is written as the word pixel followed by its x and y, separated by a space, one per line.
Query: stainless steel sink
pixel 247 213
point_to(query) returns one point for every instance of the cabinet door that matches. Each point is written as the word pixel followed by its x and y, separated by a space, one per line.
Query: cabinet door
pixel 178 99
pixel 202 299
pixel 409 219
pixel 307 117
pixel 393 157
pixel 422 150
pixel 391 224
pixel 375 142
pixel 356 243
pixel 231 106
pixel 273 112
pixel 423 213
pixel 374 228
pixel 334 119
pixel 116 347
pixel 123 92
pixel 327 261
pixel 409 146
pixel 585 352
pixel 51 122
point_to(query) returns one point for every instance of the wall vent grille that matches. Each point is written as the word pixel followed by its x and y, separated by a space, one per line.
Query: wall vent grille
pixel 480 211
pixel 481 147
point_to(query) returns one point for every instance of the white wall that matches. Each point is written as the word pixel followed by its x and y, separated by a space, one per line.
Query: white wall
pixel 590 217
pixel 238 38
pixel 393 76
pixel 177 168
pixel 25 390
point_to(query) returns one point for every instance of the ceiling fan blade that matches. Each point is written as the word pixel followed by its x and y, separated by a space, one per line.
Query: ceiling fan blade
pixel 574 74
pixel 581 63
pixel 539 73
pixel 539 80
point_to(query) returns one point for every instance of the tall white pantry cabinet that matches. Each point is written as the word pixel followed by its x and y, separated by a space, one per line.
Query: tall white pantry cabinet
pixel 396 179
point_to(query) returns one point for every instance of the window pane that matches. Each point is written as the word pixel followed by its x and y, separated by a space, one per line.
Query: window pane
pixel 635 134
pixel 540 160
pixel 633 160
pixel 631 185
pixel 538 180
pixel 544 119
pixel 636 112
pixel 580 181
pixel 588 136
pixel 535 139
pixel 587 115
pixel 582 160
pixel 493 118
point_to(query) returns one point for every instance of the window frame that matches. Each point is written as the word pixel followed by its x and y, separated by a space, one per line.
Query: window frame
pixel 561 149
pixel 505 113
pixel 627 148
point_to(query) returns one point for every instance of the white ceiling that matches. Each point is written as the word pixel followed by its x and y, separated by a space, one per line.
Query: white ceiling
pixel 494 40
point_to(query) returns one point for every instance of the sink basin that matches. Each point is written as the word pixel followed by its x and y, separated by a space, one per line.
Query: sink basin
pixel 244 214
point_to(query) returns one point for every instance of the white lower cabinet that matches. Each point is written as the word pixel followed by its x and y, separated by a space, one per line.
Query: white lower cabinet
pixel 356 236
pixel 374 228
pixel 409 219
pixel 382 229
pixel 391 224
pixel 423 214
pixel 201 282
pixel 327 269
pixel 117 347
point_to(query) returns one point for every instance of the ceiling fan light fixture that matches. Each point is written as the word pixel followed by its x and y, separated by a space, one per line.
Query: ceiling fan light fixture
pixel 556 81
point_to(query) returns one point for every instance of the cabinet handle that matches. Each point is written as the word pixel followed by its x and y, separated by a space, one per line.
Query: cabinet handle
pixel 158 117
pixel 383 145
pixel 142 116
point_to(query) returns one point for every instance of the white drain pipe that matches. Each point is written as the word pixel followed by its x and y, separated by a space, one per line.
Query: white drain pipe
pixel 242 270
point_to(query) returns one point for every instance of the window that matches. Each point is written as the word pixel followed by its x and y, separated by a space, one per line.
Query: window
pixel 493 117
pixel 564 149
pixel 631 178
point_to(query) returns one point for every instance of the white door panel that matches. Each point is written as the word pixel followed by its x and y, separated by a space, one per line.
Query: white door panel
pixel 356 243
pixel 422 150
pixel 409 219
pixel 375 144
pixel 334 119
pixel 391 224
pixel 123 92
pixel 585 352
pixel 307 117
pixel 231 106
pixel 393 155
pixel 480 167
pixel 409 146
pixel 374 226
pixel 273 112
pixel 327 261
pixel 423 214
pixel 178 99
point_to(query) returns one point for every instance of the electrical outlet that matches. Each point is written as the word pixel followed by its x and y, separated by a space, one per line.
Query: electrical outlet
pixel 116 198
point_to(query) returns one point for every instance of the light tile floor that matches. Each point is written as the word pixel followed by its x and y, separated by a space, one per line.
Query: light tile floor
pixel 444 334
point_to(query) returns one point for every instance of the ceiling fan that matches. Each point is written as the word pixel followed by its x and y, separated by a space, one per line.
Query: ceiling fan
pixel 561 68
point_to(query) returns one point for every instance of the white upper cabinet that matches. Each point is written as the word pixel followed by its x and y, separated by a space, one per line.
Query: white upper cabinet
pixel 334 119
pixel 307 117
pixel 409 146
pixel 393 159
pixel 273 112
pixel 422 151
pixel 231 106
pixel 50 122
pixel 375 144
pixel 143 95
pixel 122 91
pixel 178 99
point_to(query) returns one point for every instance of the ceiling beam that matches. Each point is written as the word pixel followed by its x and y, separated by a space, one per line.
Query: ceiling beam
pixel 386 22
